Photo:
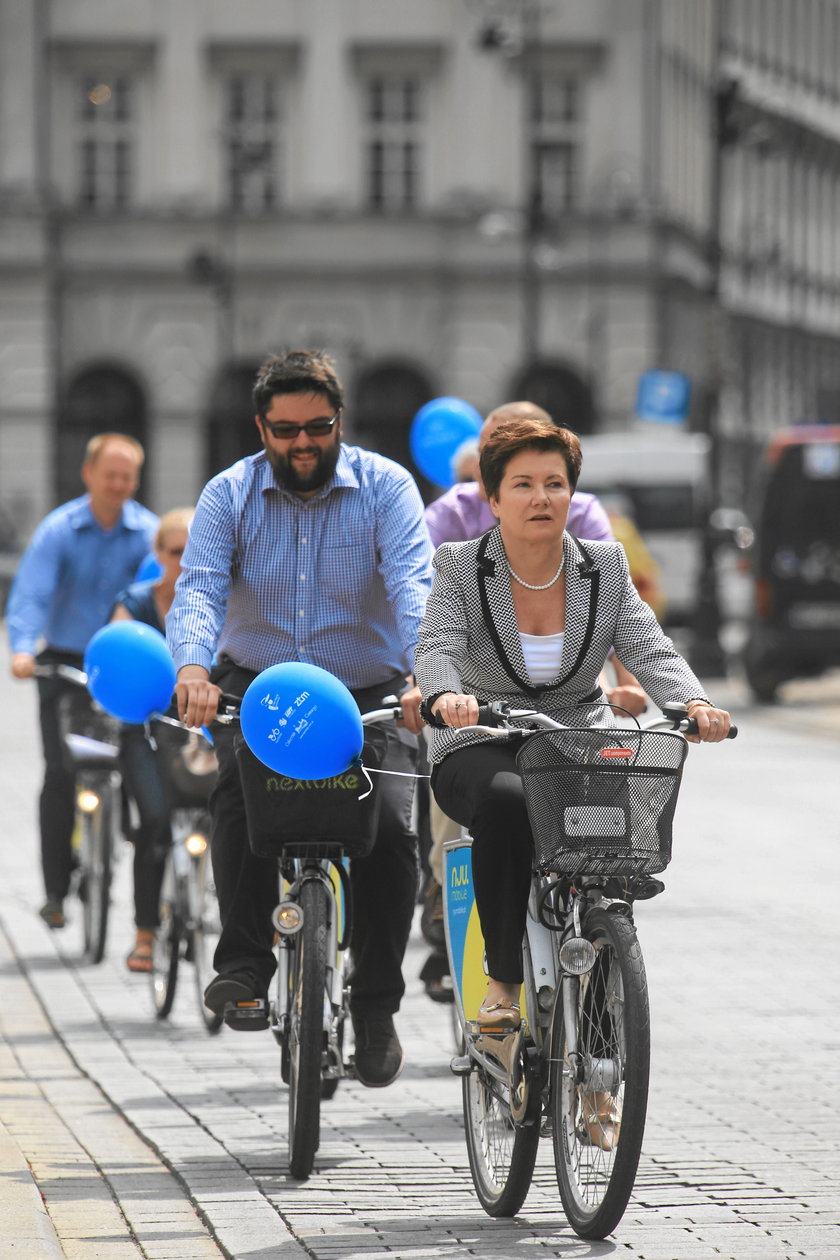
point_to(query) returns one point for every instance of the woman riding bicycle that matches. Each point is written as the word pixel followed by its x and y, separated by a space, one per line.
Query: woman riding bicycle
pixel 149 601
pixel 528 614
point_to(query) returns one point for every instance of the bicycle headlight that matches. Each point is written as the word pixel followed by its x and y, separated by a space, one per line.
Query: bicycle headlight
pixel 87 800
pixel 577 956
pixel 288 918
pixel 195 844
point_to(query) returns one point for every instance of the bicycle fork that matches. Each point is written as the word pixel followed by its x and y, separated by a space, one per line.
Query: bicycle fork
pixel 288 922
pixel 577 958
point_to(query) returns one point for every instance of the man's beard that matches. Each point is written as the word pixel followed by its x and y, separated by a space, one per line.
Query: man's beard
pixel 287 476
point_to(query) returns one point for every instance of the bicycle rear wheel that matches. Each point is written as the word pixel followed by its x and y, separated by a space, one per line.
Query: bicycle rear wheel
pixel 95 884
pixel 306 1028
pixel 205 933
pixel 166 948
pixel 501 1154
pixel 596 1159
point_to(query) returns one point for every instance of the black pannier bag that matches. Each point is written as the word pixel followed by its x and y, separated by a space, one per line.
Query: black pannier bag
pixel 312 817
pixel 187 765
pixel 601 801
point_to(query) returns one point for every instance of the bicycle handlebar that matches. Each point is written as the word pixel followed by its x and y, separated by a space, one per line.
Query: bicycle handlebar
pixel 68 672
pixel 492 717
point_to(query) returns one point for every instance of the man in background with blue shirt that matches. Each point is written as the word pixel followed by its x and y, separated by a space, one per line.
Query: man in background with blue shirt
pixel 308 551
pixel 80 557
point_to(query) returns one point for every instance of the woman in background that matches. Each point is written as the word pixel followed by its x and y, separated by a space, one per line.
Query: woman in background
pixel 149 602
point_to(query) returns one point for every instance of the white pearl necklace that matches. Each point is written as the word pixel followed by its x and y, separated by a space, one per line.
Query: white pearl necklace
pixel 531 585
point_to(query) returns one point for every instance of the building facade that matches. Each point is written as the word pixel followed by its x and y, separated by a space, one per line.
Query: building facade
pixel 486 198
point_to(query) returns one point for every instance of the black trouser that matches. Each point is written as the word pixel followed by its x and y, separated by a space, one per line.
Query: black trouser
pixel 481 788
pixel 154 834
pixel 384 884
pixel 57 803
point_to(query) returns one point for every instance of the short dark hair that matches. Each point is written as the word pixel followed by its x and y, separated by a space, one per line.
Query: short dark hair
pixel 514 436
pixel 297 372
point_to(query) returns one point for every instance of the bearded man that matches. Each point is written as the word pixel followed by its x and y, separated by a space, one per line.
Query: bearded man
pixel 314 551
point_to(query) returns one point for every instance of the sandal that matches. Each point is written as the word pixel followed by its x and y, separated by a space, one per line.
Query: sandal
pixel 52 912
pixel 503 1015
pixel 600 1123
pixel 140 958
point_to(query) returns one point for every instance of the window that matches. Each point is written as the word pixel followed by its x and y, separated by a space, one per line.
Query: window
pixel 394 120
pixel 555 131
pixel 106 119
pixel 252 142
pixel 99 399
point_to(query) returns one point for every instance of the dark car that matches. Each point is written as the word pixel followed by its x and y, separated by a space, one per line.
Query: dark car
pixel 795 624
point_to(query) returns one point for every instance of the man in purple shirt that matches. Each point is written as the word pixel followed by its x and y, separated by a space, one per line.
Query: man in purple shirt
pixel 460 514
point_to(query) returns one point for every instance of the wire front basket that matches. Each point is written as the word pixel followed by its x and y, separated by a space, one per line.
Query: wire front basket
pixel 601 801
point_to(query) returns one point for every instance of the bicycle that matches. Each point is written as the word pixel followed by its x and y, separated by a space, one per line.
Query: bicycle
pixel 313 841
pixel 600 803
pixel 189 915
pixel 91 740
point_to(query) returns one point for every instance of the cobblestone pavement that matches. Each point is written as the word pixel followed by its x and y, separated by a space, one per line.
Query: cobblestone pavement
pixel 122 1136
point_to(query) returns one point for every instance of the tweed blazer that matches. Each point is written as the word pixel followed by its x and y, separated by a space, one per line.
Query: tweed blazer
pixel 469 639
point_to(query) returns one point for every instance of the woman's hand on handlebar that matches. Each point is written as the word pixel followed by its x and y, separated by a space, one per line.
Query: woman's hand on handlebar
pixel 712 724
pixel 197 698
pixel 456 709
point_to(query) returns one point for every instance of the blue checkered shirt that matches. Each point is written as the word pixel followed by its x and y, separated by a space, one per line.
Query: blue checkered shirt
pixel 339 580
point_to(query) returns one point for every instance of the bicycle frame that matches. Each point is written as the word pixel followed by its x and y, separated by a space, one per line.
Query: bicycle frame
pixel 577 1066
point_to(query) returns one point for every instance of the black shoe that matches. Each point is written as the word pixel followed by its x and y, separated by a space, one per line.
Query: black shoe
pixel 238 997
pixel 378 1056
pixel 436 978
pixel 52 912
pixel 431 917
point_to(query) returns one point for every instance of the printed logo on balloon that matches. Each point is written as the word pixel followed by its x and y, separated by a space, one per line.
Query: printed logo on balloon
pixel 301 721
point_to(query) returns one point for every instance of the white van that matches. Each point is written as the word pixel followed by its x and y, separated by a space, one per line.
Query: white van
pixel 663 474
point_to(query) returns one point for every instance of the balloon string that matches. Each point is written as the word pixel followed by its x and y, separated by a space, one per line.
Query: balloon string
pixel 400 774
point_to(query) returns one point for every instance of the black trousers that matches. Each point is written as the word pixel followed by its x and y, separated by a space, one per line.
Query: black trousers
pixel 152 838
pixel 384 884
pixel 481 788
pixel 57 802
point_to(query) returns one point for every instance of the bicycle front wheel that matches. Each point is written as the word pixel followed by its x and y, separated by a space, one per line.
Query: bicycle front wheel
pixel 95 885
pixel 205 933
pixel 599 1092
pixel 166 948
pixel 501 1154
pixel 306 1036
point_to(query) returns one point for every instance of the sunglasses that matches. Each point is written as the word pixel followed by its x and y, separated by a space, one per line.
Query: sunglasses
pixel 319 427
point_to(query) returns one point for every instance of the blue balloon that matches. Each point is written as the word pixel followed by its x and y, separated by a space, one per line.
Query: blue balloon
pixel 130 672
pixel 301 721
pixel 150 569
pixel 438 429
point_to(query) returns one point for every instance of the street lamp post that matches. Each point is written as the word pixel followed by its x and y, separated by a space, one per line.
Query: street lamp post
pixel 496 37
pixel 707 654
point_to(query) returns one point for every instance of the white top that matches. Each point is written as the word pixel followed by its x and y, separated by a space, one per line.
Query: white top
pixel 543 654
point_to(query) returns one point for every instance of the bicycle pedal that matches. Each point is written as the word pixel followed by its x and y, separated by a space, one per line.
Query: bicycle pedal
pixel 477 1030
pixel 251 1016
pixel 461 1065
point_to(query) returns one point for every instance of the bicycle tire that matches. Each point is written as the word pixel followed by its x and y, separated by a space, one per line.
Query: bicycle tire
pixel 306 1029
pixel 97 855
pixel 595 1181
pixel 501 1154
pixel 205 934
pixel 166 947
